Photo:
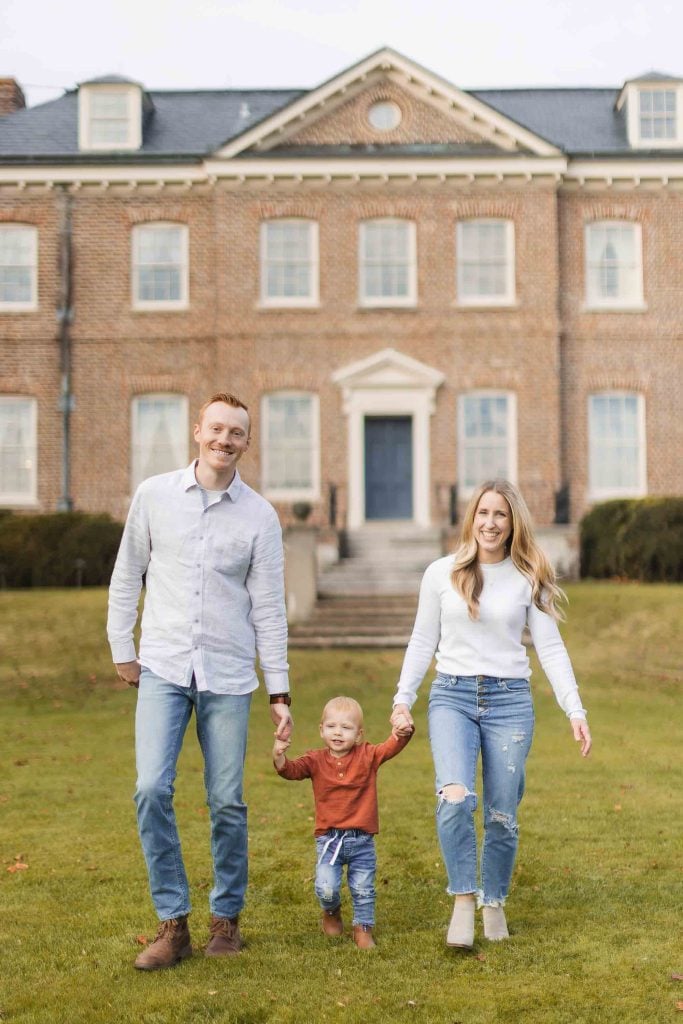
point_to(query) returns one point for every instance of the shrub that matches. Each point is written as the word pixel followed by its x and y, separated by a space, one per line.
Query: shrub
pixel 635 539
pixel 62 549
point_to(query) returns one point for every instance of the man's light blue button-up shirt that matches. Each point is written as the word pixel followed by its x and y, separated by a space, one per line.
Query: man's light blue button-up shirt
pixel 214 586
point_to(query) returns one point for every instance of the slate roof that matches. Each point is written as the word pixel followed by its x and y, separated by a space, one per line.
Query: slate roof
pixel 184 126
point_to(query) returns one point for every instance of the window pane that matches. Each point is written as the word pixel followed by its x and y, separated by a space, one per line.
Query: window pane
pixel 160 435
pixel 483 266
pixel 17 448
pixel 614 443
pixel 386 260
pixel 612 262
pixel 160 264
pixel 289 449
pixel 288 260
pixel 485 441
pixel 17 264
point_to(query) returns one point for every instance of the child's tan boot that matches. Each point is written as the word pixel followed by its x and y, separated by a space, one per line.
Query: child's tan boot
pixel 362 936
pixel 332 923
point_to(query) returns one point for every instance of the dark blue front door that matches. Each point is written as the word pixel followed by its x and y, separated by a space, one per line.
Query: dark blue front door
pixel 388 467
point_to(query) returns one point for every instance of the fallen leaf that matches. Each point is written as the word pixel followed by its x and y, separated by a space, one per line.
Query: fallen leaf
pixel 141 940
pixel 21 763
pixel 677 977
pixel 18 866
pixel 617 807
pixel 213 991
pixel 411 1002
pixel 679 1004
pixel 480 956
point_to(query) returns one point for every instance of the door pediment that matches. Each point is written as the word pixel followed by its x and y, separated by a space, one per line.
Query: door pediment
pixel 388 369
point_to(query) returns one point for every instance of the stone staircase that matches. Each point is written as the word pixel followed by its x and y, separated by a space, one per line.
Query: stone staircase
pixel 369 598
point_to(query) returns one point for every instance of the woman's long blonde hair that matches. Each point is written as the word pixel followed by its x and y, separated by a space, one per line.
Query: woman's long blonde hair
pixel 525 553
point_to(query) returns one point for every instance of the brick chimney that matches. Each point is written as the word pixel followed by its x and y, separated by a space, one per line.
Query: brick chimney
pixel 11 96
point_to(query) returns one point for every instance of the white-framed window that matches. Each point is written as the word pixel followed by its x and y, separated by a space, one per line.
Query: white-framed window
pixel 18 450
pixel 160 269
pixel 616 445
pixel 289 262
pixel 18 268
pixel 657 114
pixel 110 117
pixel 487 429
pixel 387 262
pixel 159 435
pixel 614 265
pixel 290 445
pixel 485 259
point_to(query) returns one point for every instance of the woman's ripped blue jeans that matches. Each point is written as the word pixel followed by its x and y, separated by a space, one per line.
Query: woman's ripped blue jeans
pixel 469 715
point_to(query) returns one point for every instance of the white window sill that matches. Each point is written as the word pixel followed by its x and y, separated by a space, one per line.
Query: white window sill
pixel 280 304
pixel 160 307
pixel 18 307
pixel 486 303
pixel 387 304
pixel 633 307
pixel 18 501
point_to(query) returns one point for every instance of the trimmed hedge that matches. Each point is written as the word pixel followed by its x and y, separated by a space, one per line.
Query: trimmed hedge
pixel 63 549
pixel 637 539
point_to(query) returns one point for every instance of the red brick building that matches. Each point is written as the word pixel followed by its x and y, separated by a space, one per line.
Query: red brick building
pixel 412 286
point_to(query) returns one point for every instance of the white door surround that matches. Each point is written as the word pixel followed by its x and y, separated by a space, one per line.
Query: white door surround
pixel 388 384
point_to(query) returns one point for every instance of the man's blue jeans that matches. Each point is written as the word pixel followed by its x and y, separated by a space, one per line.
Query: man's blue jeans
pixel 162 716
pixel 356 849
pixel 469 714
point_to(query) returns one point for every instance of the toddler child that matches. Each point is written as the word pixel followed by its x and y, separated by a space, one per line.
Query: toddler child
pixel 344 776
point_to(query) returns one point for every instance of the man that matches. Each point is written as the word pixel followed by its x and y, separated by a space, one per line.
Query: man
pixel 211 551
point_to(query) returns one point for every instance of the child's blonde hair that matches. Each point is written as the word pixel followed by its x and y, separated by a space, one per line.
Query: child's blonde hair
pixel 343 704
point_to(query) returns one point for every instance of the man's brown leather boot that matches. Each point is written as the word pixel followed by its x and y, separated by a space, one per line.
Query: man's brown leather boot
pixel 225 937
pixel 171 945
pixel 332 923
pixel 362 936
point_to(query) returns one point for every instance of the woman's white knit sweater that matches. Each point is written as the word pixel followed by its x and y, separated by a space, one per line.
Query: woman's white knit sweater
pixel 490 645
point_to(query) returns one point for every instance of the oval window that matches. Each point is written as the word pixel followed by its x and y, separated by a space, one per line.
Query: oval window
pixel 384 115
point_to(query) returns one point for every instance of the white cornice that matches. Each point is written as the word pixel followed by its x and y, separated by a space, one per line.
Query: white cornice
pixel 489 122
pixel 489 170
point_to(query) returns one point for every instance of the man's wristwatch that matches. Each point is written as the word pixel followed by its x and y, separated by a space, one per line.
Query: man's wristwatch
pixel 280 698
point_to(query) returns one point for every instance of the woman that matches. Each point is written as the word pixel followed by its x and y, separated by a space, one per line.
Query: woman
pixel 472 611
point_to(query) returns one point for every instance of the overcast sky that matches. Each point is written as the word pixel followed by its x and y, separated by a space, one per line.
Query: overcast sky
pixel 188 44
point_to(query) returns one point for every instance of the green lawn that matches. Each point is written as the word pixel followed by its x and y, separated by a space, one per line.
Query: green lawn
pixel 595 913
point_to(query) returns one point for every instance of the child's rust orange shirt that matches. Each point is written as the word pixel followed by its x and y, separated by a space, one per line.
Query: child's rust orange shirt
pixel 344 788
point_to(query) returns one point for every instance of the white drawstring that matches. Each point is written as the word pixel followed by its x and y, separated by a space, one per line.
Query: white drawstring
pixel 334 835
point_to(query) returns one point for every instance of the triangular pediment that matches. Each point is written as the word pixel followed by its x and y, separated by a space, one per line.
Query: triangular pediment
pixel 433 112
pixel 388 369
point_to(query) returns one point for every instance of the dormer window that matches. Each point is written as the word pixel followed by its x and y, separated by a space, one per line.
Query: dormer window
pixel 657 113
pixel 653 107
pixel 110 116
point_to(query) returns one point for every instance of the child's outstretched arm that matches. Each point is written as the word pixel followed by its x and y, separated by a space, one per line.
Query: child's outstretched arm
pixel 279 747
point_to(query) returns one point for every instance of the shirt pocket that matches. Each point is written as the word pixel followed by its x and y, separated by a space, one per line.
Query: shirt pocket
pixel 231 555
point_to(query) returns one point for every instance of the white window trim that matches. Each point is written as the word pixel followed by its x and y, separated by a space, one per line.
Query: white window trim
pixel 640 490
pixel 295 301
pixel 509 297
pixel 153 305
pixel 32 305
pixel 27 499
pixel 466 490
pixel 633 90
pixel 134 139
pixel 389 301
pixel 595 303
pixel 311 493
pixel 184 408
